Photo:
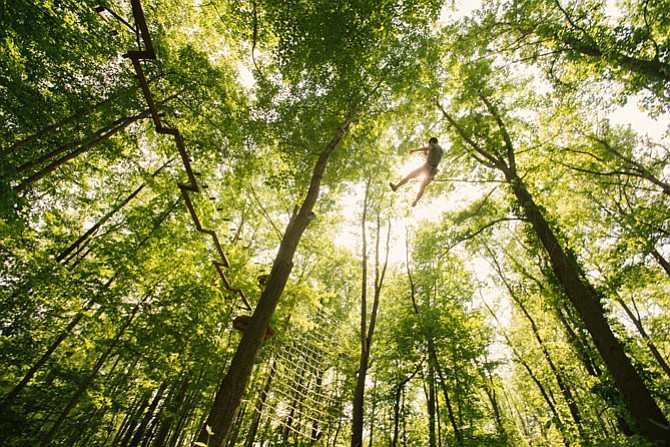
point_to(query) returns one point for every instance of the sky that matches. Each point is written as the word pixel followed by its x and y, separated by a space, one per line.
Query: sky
pixel 655 128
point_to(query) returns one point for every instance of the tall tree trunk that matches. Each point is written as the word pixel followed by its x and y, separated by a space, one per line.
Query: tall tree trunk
pixel 359 392
pixel 189 408
pixel 431 406
pixel 546 394
pixel 260 403
pixel 490 390
pixel 125 430
pixel 649 419
pixel 81 252
pixel 367 334
pixel 661 260
pixel 317 430
pixel 233 385
pixel 290 419
pixel 651 422
pixel 141 429
pixel 396 413
pixel 396 406
pixel 578 339
pixel 565 390
pixel 432 356
pixel 8 399
pixel 373 410
pixel 522 420
pixel 579 343
pixel 167 414
pixel 235 432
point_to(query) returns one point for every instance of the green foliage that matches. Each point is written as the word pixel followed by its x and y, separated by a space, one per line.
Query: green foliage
pixel 580 44
pixel 136 313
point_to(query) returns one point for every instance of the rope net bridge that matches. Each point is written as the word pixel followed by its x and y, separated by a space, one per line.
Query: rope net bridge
pixel 299 397
pixel 146 52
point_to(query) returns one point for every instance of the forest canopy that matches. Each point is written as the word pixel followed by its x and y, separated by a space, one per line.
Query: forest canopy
pixel 200 247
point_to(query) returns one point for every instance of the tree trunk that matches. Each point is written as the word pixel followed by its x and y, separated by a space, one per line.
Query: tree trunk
pixel 233 385
pixel 366 335
pixel 396 414
pixel 396 406
pixel 522 420
pixel 7 400
pixel 178 435
pixel 260 403
pixel 431 405
pixel 580 344
pixel 661 260
pixel 650 344
pixel 125 431
pixel 432 356
pixel 546 395
pixel 235 432
pixel 359 392
pixel 141 429
pixel 565 390
pixel 650 420
pixel 490 390
pixel 373 410
pixel 167 414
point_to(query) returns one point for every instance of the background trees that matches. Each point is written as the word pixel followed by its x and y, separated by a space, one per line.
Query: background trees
pixel 116 326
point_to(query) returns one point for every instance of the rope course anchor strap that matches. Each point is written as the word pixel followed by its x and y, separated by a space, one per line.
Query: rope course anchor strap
pixel 143 37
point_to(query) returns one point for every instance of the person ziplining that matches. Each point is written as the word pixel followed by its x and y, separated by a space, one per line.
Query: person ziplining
pixel 434 153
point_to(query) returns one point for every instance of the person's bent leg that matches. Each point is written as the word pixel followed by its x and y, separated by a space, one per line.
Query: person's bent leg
pixel 424 184
pixel 415 173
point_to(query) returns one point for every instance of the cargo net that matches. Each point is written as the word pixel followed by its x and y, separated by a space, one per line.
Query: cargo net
pixel 300 396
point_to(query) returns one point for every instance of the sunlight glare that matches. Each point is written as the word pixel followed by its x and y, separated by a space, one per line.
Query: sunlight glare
pixel 429 208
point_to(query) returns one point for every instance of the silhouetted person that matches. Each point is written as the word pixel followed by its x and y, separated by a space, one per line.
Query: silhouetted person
pixel 434 154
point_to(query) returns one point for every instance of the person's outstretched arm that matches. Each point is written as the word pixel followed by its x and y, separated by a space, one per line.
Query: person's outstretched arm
pixel 421 149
